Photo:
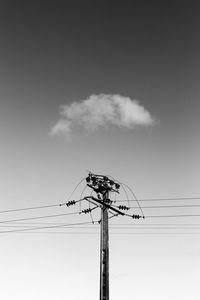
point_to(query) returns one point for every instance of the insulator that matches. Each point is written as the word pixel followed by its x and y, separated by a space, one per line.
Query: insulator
pixel 86 211
pixel 117 185
pixel 87 179
pixel 123 207
pixel 136 216
pixel 69 203
pixel 111 182
pixel 105 178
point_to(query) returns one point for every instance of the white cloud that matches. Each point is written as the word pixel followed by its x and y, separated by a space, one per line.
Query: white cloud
pixel 101 110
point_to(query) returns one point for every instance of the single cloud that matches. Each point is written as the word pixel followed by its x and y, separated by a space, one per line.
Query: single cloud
pixel 101 110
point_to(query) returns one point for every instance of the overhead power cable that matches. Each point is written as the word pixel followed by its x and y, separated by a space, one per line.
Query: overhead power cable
pixel 162 199
pixel 39 207
pixel 45 227
pixel 111 228
pixel 150 199
pixel 40 217
pixel 166 206
pixel 122 225
pixel 28 208
pixel 171 216
pixel 112 233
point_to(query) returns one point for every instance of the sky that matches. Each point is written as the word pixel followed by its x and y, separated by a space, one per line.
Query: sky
pixel 55 57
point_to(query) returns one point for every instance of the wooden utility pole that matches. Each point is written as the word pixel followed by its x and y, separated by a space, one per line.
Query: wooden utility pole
pixel 102 186
pixel 104 252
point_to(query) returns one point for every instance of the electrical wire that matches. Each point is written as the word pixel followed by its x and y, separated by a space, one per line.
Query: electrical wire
pixel 156 224
pixel 40 217
pixel 58 205
pixel 97 233
pixel 134 196
pixel 28 208
pixel 163 199
pixel 95 227
pixel 76 213
pixel 111 225
pixel 77 226
pixel 125 192
pixel 166 206
pixel 73 191
pixel 81 196
pixel 44 227
pixel 171 216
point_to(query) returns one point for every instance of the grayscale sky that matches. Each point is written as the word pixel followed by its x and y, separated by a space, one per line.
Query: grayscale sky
pixel 55 53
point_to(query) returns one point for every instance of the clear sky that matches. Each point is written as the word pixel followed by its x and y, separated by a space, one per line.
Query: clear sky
pixel 58 52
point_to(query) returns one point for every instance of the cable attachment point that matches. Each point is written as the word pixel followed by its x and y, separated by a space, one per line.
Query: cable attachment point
pixel 123 207
pixel 69 203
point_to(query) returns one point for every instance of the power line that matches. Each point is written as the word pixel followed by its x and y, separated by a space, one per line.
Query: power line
pixel 135 207
pixel 136 227
pixel 29 208
pixel 122 229
pixel 40 217
pixel 166 206
pixel 150 199
pixel 113 229
pixel 112 233
pixel 111 225
pixel 156 224
pixel 39 207
pixel 70 226
pixel 171 216
pixel 44 227
pixel 162 199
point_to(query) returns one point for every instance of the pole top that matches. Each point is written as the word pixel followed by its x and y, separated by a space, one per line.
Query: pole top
pixel 102 184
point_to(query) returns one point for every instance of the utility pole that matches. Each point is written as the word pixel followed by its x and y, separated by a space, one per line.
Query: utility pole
pixel 103 185
pixel 104 252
